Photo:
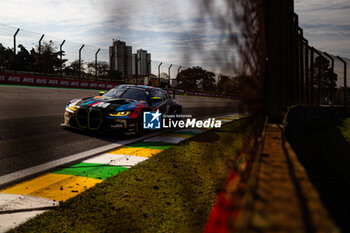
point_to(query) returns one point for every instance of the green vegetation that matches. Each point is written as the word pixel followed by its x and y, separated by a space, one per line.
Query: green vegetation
pixel 47 60
pixel 174 191
pixel 196 78
pixel 323 148
pixel 326 76
pixel 44 59
pixel 344 128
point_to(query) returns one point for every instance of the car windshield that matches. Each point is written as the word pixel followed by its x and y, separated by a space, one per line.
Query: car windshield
pixel 127 93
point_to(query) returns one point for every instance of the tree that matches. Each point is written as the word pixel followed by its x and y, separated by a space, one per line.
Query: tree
pixel 326 78
pixel 164 75
pixel 102 69
pixel 225 85
pixel 74 68
pixel 244 87
pixel 2 57
pixel 196 78
pixel 25 60
pixel 7 58
pixel 115 75
pixel 49 59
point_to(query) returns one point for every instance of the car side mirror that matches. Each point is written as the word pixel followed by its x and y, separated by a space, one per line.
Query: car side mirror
pixel 102 93
pixel 156 99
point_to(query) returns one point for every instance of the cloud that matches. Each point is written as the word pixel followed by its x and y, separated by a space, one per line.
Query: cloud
pixel 170 30
pixel 326 24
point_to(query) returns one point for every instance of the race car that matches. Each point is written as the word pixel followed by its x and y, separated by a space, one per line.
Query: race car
pixel 121 108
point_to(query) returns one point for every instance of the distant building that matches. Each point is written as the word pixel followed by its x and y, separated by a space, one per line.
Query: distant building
pixel 120 58
pixel 141 63
pixel 128 65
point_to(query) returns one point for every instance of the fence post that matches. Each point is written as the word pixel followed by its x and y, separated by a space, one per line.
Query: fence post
pixel 307 88
pixel 41 38
pixel 14 49
pixel 61 56
pixel 345 85
pixel 312 74
pixel 96 63
pixel 319 76
pixel 159 73
pixel 296 52
pixel 301 64
pixel 332 78
pixel 80 60
pixel 169 73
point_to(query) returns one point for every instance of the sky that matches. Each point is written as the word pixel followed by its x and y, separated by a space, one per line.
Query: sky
pixel 170 29
pixel 326 25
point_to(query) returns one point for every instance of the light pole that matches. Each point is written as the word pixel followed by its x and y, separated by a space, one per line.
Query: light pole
pixel 61 56
pixel 169 73
pixel 80 60
pixel 345 71
pixel 137 70
pixel 41 38
pixel 178 70
pixel 14 49
pixel 96 63
pixel 159 72
pixel 332 78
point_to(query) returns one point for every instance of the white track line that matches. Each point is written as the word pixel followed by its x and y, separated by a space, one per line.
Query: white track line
pixel 9 221
pixel 20 202
pixel 116 160
pixel 190 130
pixel 69 159
pixel 174 140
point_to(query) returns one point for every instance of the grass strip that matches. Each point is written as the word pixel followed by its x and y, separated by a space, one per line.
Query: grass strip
pixel 173 191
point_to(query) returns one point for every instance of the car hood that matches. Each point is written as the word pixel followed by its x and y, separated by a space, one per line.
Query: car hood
pixel 108 104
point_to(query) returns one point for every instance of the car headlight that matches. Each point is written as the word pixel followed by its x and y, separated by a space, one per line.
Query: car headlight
pixel 72 108
pixel 123 113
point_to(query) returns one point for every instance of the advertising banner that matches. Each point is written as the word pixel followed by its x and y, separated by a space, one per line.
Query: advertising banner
pixel 29 80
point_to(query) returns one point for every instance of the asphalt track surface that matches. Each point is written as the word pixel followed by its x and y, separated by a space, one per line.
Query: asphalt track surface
pixel 30 131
